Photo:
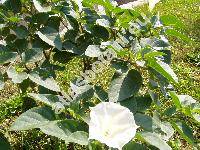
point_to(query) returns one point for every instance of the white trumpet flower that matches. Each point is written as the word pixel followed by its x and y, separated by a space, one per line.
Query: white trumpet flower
pixel 152 4
pixel 133 4
pixel 137 3
pixel 112 124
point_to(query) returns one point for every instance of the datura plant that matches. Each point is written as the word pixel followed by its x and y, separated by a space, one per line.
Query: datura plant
pixel 139 109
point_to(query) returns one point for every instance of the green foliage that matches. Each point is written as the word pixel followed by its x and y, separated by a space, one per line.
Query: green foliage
pixel 124 85
pixel 4 144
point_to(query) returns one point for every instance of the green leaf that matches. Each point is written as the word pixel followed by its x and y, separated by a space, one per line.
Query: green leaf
pixel 153 42
pixel 66 130
pixel 144 121
pixel 130 103
pixel 50 36
pixel 82 92
pixel 153 54
pixel 154 124
pixel 72 48
pixel 164 69
pixel 13 19
pixel 100 93
pixel 137 104
pixel 32 55
pixel 33 118
pixel 21 32
pixel 170 111
pixel 155 140
pixel 40 18
pixel 172 32
pixel 134 146
pixel 124 85
pixel 6 57
pixel 4 144
pixel 63 56
pixel 100 32
pixel 103 22
pixel 14 5
pixel 93 51
pixel 196 117
pixel 15 76
pixel 44 118
pixel 120 66
pixel 143 102
pixel 186 100
pixel 171 20
pixel 182 100
pixel 49 99
pixel 40 8
pixel 48 83
pixel 184 130
pixel 1 81
pixel 175 99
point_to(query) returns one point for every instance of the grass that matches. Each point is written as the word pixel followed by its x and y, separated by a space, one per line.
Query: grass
pixel 185 63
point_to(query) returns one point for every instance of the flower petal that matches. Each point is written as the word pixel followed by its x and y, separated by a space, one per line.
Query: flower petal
pixel 112 124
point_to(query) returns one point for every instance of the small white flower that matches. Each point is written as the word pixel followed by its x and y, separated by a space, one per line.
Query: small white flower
pixel 112 124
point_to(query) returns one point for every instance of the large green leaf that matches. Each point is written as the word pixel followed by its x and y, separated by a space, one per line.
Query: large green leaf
pixel 1 81
pixel 177 34
pixel 124 85
pixel 21 32
pixel 50 99
pixel 155 140
pixel 164 69
pixel 63 56
pixel 134 146
pixel 100 32
pixel 4 144
pixel 14 5
pixel 82 92
pixel 138 103
pixel 48 83
pixel 171 20
pixel 130 103
pixel 44 118
pixel 39 7
pixel 184 130
pixel 154 124
pixel 196 117
pixel 6 57
pixel 120 66
pixel 32 55
pixel 15 76
pixel 33 118
pixel 175 99
pixel 186 100
pixel 187 105
pixel 182 100
pixel 50 36
pixel 100 93
pixel 144 121
pixel 66 130
pixel 71 47
pixel 143 102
